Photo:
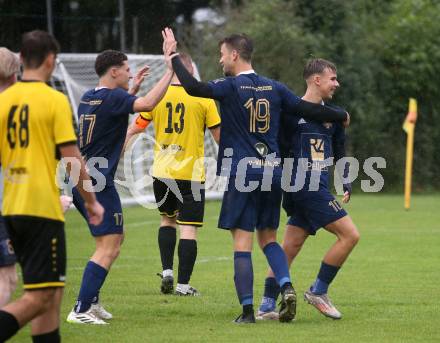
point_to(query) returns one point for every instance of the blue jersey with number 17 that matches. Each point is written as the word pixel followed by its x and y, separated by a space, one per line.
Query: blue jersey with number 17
pixel 103 121
pixel 250 107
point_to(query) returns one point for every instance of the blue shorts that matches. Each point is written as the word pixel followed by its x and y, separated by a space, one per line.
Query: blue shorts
pixel 112 223
pixel 312 210
pixel 7 255
pixel 250 210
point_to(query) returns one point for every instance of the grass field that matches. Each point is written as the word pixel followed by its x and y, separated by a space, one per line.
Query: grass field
pixel 388 291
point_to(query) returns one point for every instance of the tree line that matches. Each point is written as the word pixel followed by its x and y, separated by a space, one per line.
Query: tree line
pixel 385 51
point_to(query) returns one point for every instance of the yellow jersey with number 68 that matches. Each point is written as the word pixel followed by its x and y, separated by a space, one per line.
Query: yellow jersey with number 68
pixel 34 120
pixel 179 123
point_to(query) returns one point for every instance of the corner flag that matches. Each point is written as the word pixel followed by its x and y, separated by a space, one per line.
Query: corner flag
pixel 408 126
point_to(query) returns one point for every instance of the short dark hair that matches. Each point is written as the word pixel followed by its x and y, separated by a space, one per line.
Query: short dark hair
pixel 107 59
pixel 36 46
pixel 317 66
pixel 240 42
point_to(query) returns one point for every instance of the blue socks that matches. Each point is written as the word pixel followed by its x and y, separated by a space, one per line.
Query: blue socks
pixel 93 279
pixel 271 288
pixel 244 277
pixel 277 261
pixel 325 277
pixel 271 292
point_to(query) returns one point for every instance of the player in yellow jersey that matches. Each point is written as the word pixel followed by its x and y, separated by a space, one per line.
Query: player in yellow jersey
pixel 179 121
pixel 35 130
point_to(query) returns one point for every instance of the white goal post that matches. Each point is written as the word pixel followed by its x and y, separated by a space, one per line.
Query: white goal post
pixel 75 74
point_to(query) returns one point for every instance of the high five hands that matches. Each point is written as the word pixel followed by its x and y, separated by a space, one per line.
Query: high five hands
pixel 169 46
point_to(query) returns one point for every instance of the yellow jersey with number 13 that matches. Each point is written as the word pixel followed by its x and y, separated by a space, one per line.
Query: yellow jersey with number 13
pixel 179 123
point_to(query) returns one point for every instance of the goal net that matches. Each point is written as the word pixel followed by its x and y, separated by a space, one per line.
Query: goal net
pixel 75 74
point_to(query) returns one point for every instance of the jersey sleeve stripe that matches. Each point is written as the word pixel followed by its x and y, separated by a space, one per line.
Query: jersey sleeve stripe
pixel 214 126
pixel 70 142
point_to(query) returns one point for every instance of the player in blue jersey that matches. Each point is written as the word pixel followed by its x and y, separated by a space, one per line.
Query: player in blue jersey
pixel 251 107
pixel 314 147
pixel 103 121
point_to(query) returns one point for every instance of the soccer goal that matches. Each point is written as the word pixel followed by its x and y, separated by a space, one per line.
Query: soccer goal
pixel 75 74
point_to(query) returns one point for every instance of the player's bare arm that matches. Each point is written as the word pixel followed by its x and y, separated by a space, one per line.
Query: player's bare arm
pixel 136 127
pixel 94 209
pixel 339 153
pixel 149 101
pixel 215 132
pixel 152 98
pixel 346 122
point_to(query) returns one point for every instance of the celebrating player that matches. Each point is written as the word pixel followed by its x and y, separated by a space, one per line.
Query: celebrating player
pixel 35 129
pixel 309 209
pixel 250 107
pixel 103 121
pixel 179 126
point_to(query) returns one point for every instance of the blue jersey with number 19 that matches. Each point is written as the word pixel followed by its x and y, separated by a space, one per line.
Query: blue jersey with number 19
pixel 103 121
pixel 250 107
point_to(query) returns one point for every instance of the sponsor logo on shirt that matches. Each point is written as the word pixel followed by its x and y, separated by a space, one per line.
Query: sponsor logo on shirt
pixel 261 148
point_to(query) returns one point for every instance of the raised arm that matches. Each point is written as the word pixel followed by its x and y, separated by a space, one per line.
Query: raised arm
pixel 320 112
pixel 149 101
pixel 152 98
pixel 190 83
pixel 338 145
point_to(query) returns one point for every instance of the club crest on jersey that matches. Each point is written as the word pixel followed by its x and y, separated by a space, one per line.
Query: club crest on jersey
pixel 317 149
pixel 261 148
pixel 327 125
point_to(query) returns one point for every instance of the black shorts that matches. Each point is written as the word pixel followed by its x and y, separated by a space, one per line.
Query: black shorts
pixel 7 255
pixel 182 198
pixel 40 247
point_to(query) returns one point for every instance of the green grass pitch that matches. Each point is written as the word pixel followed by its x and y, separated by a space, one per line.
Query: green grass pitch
pixel 388 291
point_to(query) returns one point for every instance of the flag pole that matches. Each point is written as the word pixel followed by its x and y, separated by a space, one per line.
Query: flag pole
pixel 408 127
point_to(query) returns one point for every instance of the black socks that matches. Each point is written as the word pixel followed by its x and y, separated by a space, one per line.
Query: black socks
pixel 167 243
pixel 187 251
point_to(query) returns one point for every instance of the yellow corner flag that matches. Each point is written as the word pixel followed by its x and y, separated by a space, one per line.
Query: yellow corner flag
pixel 408 127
